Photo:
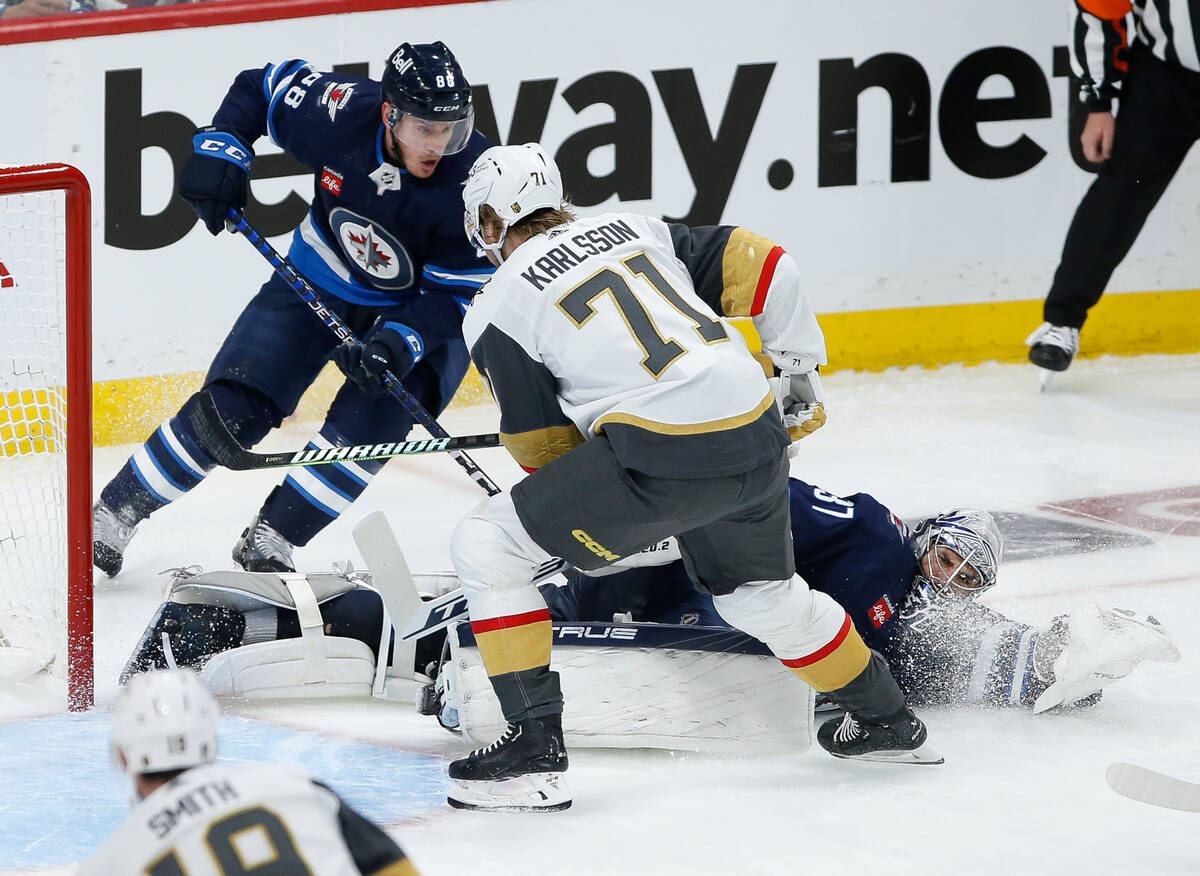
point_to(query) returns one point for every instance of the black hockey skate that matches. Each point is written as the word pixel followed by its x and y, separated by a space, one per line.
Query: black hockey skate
pixel 112 530
pixel 262 549
pixel 897 739
pixel 522 771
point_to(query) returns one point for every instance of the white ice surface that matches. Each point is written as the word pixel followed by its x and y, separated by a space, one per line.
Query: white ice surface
pixel 1017 793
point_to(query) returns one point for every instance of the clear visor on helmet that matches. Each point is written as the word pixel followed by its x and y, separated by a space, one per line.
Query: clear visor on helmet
pixel 432 136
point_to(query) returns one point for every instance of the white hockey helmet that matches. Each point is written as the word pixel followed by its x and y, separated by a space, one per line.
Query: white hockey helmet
pixel 515 181
pixel 970 533
pixel 164 720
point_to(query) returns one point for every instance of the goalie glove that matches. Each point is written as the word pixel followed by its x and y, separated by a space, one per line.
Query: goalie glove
pixel 214 178
pixel 801 402
pixel 390 346
pixel 1082 652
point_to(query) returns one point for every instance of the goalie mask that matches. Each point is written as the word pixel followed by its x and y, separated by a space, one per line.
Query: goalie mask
pixel 516 182
pixel 959 553
pixel 163 721
pixel 431 108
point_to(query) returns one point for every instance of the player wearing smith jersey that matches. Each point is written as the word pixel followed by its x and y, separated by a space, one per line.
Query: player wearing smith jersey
pixel 641 415
pixel 203 818
pixel 383 245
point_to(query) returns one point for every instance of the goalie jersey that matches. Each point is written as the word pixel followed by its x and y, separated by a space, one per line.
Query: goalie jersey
pixel 222 819
pixel 375 235
pixel 948 651
pixel 613 324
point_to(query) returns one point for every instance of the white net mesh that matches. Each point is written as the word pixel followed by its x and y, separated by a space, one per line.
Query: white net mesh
pixel 33 459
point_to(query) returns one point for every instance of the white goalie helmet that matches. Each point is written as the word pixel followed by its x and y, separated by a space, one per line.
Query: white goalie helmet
pixel 970 533
pixel 164 720
pixel 515 181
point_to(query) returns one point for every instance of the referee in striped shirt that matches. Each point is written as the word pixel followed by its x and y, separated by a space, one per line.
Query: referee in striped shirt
pixel 1144 54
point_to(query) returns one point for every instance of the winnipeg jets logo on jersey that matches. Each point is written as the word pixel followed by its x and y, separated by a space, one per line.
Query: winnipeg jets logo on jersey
pixel 336 96
pixel 387 177
pixel 369 255
pixel 378 255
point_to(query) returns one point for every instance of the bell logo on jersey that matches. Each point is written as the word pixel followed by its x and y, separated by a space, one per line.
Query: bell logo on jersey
pixel 381 258
pixel 881 611
pixel 7 281
pixel 336 96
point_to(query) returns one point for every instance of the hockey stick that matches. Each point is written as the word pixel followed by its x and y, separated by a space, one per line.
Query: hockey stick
pixel 395 388
pixel 451 606
pixel 1148 786
pixel 220 444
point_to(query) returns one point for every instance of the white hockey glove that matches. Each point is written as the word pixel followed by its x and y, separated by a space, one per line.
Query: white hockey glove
pixel 1091 647
pixel 801 402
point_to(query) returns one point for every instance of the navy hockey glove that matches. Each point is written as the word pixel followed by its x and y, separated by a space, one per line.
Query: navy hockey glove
pixel 214 177
pixel 391 346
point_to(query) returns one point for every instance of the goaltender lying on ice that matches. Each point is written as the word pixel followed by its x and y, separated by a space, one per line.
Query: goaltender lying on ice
pixel 645 661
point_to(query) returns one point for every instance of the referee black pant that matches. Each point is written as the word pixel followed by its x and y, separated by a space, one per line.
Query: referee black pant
pixel 1157 123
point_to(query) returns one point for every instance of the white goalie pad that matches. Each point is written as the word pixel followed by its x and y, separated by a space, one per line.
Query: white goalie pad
pixel 313 666
pixel 1103 645
pixel 286 669
pixel 649 686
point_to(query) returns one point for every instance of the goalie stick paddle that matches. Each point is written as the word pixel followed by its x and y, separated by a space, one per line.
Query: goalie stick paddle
pixel 235 220
pixel 1157 789
pixel 220 444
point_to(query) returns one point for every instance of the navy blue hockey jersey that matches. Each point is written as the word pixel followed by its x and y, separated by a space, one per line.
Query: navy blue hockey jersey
pixel 375 235
pixel 861 554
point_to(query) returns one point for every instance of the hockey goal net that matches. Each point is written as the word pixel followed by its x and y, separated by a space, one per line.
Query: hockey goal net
pixel 45 427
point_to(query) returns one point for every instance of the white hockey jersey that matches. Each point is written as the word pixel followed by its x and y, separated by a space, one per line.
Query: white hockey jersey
pixel 615 324
pixel 226 819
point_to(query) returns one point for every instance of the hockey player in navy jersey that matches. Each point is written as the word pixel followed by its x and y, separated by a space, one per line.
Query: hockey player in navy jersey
pixel 384 246
pixel 912 594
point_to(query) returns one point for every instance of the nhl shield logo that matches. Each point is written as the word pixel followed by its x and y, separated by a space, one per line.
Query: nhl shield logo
pixel 371 250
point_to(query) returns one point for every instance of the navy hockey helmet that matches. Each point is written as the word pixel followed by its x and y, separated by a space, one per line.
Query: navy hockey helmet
pixel 431 107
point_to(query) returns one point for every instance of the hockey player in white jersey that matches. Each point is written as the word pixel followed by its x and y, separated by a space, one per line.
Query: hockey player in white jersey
pixel 202 818
pixel 641 414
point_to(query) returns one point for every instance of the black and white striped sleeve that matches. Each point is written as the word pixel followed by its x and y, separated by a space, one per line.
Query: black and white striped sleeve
pixel 1098 54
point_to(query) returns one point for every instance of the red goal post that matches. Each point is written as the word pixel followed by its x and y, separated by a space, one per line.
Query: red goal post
pixel 46 423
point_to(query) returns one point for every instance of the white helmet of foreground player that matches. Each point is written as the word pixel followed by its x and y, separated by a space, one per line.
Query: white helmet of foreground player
pixel 959 552
pixel 164 720
pixel 515 181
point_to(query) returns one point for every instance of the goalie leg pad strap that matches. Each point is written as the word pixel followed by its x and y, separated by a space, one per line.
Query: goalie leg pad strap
pixel 312 625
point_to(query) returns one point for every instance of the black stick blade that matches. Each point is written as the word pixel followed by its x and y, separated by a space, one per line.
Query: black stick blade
pixel 214 435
